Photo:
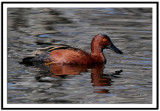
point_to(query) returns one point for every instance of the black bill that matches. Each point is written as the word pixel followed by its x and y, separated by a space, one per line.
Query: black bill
pixel 114 48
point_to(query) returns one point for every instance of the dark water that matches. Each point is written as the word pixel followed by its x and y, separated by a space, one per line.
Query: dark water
pixel 130 30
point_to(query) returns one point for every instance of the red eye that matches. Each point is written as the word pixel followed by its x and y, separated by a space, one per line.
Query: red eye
pixel 104 39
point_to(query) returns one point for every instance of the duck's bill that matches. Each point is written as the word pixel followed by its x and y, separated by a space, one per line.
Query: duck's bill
pixel 114 48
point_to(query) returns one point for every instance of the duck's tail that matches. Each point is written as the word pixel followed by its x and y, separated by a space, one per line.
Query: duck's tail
pixel 27 61
pixel 32 60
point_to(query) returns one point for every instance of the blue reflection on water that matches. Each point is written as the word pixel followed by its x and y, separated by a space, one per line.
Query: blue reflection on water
pixel 10 86
pixel 45 35
pixel 110 11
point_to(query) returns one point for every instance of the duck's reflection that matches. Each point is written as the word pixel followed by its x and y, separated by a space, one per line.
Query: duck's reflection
pixel 57 70
pixel 98 78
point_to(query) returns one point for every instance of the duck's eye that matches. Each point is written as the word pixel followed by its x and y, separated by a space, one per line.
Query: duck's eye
pixel 104 39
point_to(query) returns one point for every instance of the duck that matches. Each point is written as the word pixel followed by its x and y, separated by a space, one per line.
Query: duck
pixel 64 54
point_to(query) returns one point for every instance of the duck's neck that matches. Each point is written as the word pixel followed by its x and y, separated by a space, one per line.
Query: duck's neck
pixel 97 54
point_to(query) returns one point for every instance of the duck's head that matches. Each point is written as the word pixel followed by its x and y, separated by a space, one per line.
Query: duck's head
pixel 102 41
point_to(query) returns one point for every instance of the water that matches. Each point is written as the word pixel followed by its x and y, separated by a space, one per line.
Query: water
pixel 130 30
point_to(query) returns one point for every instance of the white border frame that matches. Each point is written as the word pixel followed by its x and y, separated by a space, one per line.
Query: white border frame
pixel 75 5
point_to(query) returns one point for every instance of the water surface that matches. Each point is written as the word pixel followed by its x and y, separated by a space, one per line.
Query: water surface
pixel 130 30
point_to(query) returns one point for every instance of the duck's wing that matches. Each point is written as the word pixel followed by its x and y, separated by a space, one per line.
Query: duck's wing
pixel 50 48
